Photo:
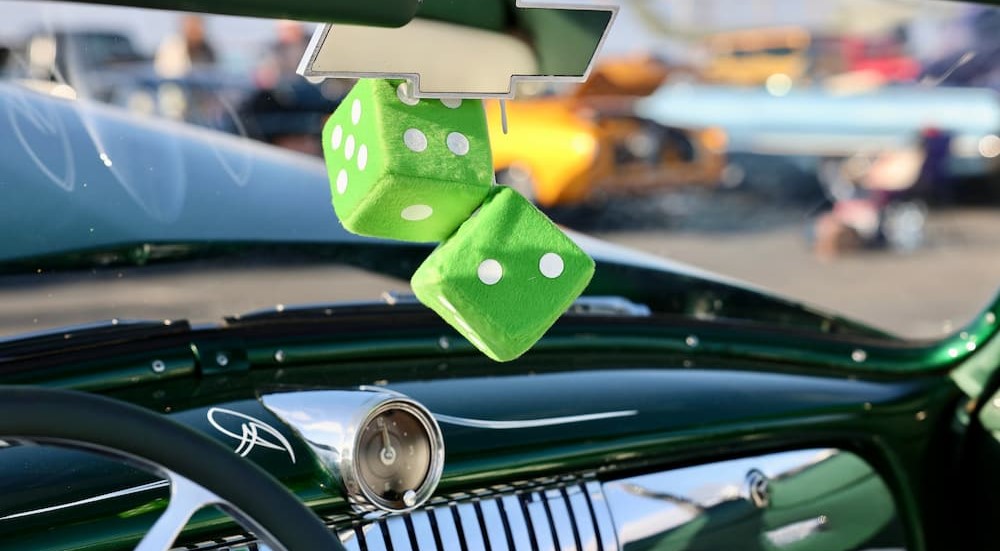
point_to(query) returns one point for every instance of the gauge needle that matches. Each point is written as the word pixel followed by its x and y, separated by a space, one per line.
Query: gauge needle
pixel 388 454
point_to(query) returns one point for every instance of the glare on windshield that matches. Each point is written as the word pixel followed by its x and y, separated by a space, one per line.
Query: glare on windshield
pixel 843 154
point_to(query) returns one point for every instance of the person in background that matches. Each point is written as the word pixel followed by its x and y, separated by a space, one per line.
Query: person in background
pixel 4 57
pixel 282 58
pixel 180 53
pixel 287 110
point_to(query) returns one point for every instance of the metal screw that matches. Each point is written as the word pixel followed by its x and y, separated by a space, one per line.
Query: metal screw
pixel 692 341
pixel 444 343
pixel 222 359
pixel 158 366
pixel 921 415
pixel 410 498
pixel 859 356
pixel 279 356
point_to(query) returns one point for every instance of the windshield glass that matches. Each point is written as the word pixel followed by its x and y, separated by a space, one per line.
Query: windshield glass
pixel 842 153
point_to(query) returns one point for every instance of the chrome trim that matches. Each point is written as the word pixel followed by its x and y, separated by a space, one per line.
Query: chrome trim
pixel 797 531
pixel 512 425
pixel 315 48
pixel 514 521
pixel 486 519
pixel 532 423
pixel 609 306
pixel 680 507
pixel 331 422
pixel 89 500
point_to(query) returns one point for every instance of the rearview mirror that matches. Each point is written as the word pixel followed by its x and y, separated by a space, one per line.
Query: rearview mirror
pixel 551 44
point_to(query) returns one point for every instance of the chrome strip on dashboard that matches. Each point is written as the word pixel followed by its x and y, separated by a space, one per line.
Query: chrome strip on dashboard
pixel 89 500
pixel 532 423
pixel 778 500
pixel 508 425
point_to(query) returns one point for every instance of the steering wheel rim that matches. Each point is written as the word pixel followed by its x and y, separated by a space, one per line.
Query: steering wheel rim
pixel 110 427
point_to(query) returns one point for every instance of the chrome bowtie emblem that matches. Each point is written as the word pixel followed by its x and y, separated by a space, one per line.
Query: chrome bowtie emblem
pixel 252 432
pixel 757 489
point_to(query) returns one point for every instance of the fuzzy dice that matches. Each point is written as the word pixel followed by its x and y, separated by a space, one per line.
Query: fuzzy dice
pixel 406 169
pixel 504 277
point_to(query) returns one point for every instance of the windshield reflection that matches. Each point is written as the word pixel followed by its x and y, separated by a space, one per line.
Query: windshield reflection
pixel 845 154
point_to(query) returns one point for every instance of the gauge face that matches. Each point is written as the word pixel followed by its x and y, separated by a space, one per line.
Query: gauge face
pixel 395 458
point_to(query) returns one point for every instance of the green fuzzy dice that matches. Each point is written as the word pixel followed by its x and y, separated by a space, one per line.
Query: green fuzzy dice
pixel 406 169
pixel 504 277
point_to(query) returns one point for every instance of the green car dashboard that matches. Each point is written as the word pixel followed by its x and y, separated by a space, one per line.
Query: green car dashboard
pixel 668 408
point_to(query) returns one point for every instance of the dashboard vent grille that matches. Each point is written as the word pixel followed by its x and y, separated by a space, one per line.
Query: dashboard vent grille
pixel 570 515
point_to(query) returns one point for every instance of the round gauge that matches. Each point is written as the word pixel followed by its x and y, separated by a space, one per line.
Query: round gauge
pixel 399 456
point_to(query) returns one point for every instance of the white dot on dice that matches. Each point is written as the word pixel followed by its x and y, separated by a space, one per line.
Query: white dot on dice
pixel 403 93
pixel 490 272
pixel 337 137
pixel 362 157
pixel 356 112
pixel 349 148
pixel 551 265
pixel 452 103
pixel 415 140
pixel 416 213
pixel 458 143
pixel 342 182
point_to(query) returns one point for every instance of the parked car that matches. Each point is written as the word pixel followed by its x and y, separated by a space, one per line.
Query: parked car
pixel 833 132
pixel 194 356
pixel 588 144
pixel 754 57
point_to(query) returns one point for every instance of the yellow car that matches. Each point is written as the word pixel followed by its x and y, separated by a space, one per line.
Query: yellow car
pixel 758 57
pixel 589 145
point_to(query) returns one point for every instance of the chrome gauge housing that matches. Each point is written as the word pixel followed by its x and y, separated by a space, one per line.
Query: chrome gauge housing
pixel 384 449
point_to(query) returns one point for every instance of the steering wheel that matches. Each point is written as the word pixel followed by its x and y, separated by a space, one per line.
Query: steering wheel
pixel 201 471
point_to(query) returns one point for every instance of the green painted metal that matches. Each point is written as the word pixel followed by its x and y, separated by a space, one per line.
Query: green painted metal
pixel 970 355
pixel 715 409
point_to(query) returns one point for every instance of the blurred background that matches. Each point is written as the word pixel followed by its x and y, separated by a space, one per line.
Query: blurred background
pixel 841 152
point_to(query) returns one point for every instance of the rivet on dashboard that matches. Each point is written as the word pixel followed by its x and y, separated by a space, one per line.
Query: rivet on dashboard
pixel 692 341
pixel 222 359
pixel 859 356
pixel 921 416
pixel 444 343
pixel 991 318
pixel 279 356
pixel 158 366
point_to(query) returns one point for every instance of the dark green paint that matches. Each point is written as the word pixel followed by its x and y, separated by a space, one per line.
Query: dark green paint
pixel 684 415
